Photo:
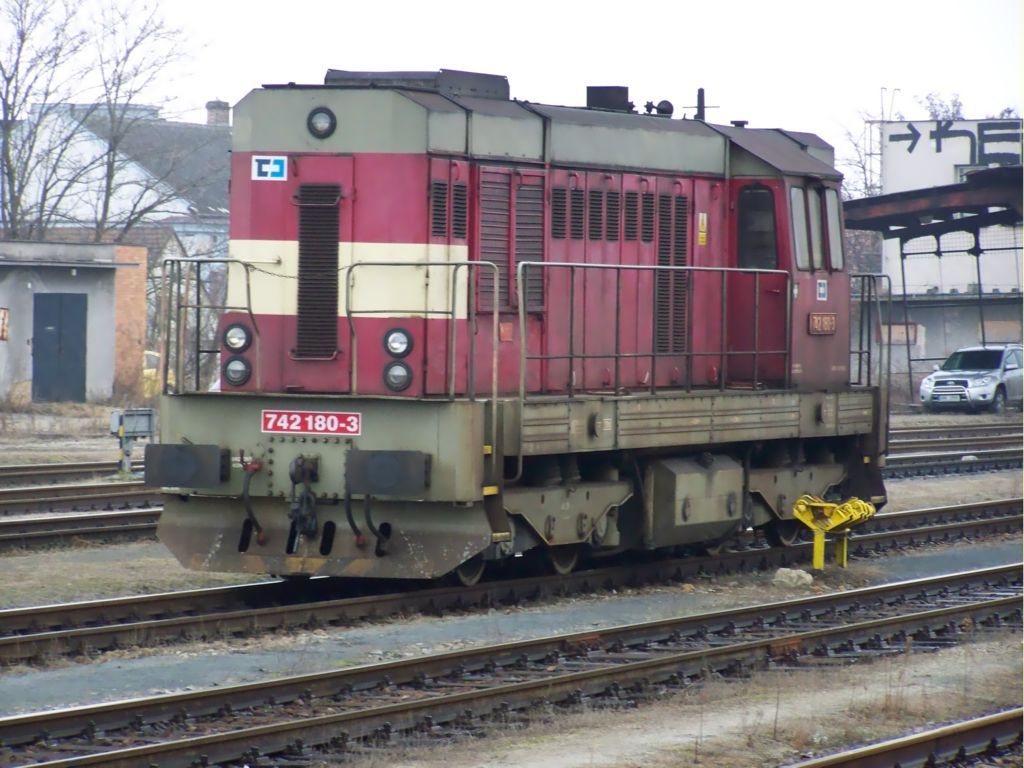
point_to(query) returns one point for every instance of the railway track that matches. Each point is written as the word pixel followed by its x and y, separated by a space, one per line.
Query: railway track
pixel 76 497
pixel 957 462
pixel 21 533
pixel 22 474
pixel 326 715
pixel 38 633
pixel 989 736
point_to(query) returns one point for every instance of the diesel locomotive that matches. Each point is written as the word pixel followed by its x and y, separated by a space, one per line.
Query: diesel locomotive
pixel 460 328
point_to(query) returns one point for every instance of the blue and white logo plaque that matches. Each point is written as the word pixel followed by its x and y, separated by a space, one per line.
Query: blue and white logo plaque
pixel 269 168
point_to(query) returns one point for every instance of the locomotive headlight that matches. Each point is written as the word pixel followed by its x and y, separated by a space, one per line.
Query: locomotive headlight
pixel 237 337
pixel 397 342
pixel 237 371
pixel 321 122
pixel 397 376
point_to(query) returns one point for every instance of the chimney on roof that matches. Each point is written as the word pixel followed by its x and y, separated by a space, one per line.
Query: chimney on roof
pixel 218 113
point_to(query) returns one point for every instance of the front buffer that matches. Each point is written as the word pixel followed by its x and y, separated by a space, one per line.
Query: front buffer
pixel 376 488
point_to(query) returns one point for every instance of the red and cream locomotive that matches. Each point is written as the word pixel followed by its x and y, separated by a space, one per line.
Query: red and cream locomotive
pixel 461 328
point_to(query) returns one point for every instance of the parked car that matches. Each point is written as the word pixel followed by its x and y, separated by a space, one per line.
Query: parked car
pixel 976 378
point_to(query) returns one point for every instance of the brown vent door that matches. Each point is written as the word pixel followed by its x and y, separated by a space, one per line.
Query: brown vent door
pixel 319 212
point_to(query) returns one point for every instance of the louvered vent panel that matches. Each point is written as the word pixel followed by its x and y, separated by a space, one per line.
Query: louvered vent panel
pixel 319 217
pixel 680 286
pixel 439 209
pixel 612 213
pixel 632 199
pixel 576 214
pixel 530 241
pixel 558 204
pixel 459 211
pixel 494 232
pixel 647 218
pixel 596 206
pixel 663 285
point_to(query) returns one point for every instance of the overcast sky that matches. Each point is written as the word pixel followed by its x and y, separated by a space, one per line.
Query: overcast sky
pixel 812 66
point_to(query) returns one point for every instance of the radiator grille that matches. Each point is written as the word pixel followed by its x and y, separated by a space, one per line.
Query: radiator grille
pixel 612 217
pixel 439 209
pixel 558 202
pixel 530 241
pixel 460 213
pixel 671 287
pixel 319 225
pixel 576 214
pixel 596 223
pixel 632 198
pixel 647 218
pixel 494 233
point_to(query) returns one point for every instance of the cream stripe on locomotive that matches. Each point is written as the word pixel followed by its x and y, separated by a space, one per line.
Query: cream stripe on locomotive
pixel 397 291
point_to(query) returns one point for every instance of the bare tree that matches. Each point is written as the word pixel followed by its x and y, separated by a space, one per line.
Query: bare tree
pixel 40 71
pixel 72 90
pixel 939 108
pixel 134 49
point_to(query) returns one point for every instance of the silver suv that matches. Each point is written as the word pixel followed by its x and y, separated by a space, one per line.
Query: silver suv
pixel 976 378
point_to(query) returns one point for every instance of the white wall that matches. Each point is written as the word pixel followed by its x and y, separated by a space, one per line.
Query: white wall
pixel 918 154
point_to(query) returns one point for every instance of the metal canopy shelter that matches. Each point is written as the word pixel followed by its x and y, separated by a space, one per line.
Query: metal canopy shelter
pixel 988 197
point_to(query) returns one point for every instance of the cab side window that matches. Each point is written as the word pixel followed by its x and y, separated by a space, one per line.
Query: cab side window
pixel 799 211
pixel 835 230
pixel 755 222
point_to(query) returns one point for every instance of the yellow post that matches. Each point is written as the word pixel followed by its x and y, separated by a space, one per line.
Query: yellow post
pixel 818 557
pixel 825 517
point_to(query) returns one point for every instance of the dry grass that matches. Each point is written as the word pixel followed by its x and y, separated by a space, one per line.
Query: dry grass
pixel 97 571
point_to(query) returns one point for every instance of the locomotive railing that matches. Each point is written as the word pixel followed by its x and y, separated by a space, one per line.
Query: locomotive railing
pixel 873 368
pixel 451 313
pixel 724 354
pixel 185 323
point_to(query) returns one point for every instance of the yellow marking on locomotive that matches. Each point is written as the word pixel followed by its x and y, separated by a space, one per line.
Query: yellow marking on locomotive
pixel 274 268
pixel 825 517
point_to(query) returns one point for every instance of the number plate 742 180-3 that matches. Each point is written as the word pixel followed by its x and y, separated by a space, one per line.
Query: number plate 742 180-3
pixel 311 423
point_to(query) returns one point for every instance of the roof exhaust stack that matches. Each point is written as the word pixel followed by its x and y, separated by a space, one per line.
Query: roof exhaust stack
pixel 700 105
pixel 609 97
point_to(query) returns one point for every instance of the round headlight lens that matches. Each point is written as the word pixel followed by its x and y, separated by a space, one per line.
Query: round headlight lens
pixel 237 371
pixel 397 342
pixel 321 122
pixel 237 337
pixel 397 376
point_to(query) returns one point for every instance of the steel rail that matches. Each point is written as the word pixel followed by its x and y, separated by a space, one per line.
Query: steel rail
pixel 22 532
pixel 942 432
pixel 970 443
pixel 622 656
pixel 64 469
pixel 75 496
pixel 981 736
pixel 38 632
pixel 905 465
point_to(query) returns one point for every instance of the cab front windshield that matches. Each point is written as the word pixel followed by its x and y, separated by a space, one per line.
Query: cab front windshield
pixel 974 360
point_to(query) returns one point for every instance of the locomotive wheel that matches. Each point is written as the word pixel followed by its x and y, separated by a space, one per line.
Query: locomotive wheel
pixel 563 559
pixel 469 573
pixel 785 533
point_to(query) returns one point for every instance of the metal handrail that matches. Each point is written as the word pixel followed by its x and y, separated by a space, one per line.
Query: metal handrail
pixel 874 288
pixel 723 353
pixel 471 320
pixel 172 281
